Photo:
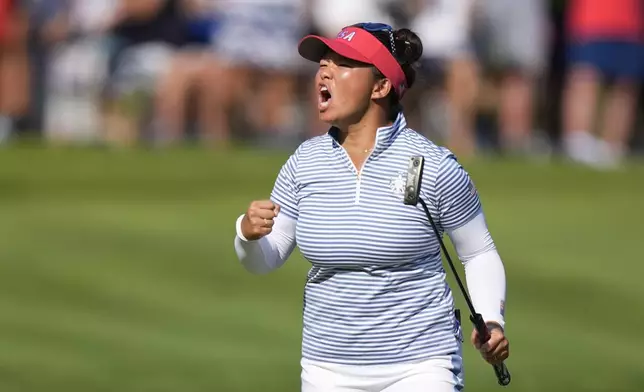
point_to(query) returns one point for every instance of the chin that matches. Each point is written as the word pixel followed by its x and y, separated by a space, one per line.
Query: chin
pixel 327 117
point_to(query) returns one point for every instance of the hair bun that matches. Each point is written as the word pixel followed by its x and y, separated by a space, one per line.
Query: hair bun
pixel 409 47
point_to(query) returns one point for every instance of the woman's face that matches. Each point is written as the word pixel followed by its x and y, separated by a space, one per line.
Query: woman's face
pixel 344 88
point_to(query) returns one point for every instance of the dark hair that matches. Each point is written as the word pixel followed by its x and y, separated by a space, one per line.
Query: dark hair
pixel 407 48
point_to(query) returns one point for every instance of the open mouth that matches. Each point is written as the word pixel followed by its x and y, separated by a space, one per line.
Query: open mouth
pixel 324 98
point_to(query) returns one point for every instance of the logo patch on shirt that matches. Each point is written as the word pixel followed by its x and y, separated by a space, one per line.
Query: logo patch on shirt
pixel 397 185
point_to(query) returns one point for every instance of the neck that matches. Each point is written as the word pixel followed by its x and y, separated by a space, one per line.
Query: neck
pixel 361 135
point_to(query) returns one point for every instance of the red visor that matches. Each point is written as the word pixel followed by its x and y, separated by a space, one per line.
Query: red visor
pixel 359 45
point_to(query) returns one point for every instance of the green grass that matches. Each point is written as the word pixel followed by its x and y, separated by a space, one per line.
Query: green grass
pixel 117 273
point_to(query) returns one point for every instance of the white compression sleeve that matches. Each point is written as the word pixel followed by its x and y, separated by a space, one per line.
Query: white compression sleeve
pixel 269 252
pixel 484 270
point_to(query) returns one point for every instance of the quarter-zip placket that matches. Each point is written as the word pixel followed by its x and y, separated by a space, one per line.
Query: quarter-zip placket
pixel 358 173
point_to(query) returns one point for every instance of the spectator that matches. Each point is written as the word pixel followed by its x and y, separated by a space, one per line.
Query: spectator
pixel 40 14
pixel 14 70
pixel 147 35
pixel 77 68
pixel 515 48
pixel 120 47
pixel 512 35
pixel 181 84
pixel 604 42
pixel 448 61
pixel 255 65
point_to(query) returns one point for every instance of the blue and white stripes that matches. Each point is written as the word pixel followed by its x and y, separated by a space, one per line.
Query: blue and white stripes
pixel 376 292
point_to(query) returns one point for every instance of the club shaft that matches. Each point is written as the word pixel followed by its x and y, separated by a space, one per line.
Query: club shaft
pixel 501 371
pixel 449 259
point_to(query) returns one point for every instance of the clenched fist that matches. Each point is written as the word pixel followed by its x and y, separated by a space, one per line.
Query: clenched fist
pixel 258 221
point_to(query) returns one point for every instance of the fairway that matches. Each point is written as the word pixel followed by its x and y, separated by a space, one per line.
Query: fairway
pixel 117 273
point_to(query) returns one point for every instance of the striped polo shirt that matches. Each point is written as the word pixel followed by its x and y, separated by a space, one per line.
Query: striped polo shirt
pixel 376 292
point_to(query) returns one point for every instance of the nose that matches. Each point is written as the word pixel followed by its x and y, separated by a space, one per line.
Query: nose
pixel 325 69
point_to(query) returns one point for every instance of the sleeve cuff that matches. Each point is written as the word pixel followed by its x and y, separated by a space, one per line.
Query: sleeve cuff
pixel 496 320
pixel 239 230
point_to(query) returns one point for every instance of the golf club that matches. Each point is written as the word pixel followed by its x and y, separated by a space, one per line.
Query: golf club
pixel 412 197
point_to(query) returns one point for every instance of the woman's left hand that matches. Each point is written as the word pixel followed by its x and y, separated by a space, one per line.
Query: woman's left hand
pixel 495 350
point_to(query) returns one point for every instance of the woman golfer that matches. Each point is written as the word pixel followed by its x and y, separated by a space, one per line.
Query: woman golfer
pixel 378 313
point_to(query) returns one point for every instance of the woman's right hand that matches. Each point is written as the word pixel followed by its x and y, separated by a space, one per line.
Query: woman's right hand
pixel 258 221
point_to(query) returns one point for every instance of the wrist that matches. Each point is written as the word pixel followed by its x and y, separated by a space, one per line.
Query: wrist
pixel 494 325
pixel 239 228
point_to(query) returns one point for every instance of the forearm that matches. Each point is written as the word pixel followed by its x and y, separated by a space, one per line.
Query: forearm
pixel 484 270
pixel 485 276
pixel 270 252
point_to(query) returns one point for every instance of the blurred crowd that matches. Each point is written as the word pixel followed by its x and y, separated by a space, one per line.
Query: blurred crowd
pixel 520 77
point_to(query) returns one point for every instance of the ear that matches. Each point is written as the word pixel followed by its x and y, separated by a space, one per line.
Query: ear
pixel 381 89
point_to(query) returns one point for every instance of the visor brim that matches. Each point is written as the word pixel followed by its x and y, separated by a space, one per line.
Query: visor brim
pixel 313 48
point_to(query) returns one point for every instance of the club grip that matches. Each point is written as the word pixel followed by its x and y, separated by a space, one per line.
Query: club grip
pixel 501 371
pixel 502 374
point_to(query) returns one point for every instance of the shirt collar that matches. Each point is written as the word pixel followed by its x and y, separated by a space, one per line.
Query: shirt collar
pixel 385 136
